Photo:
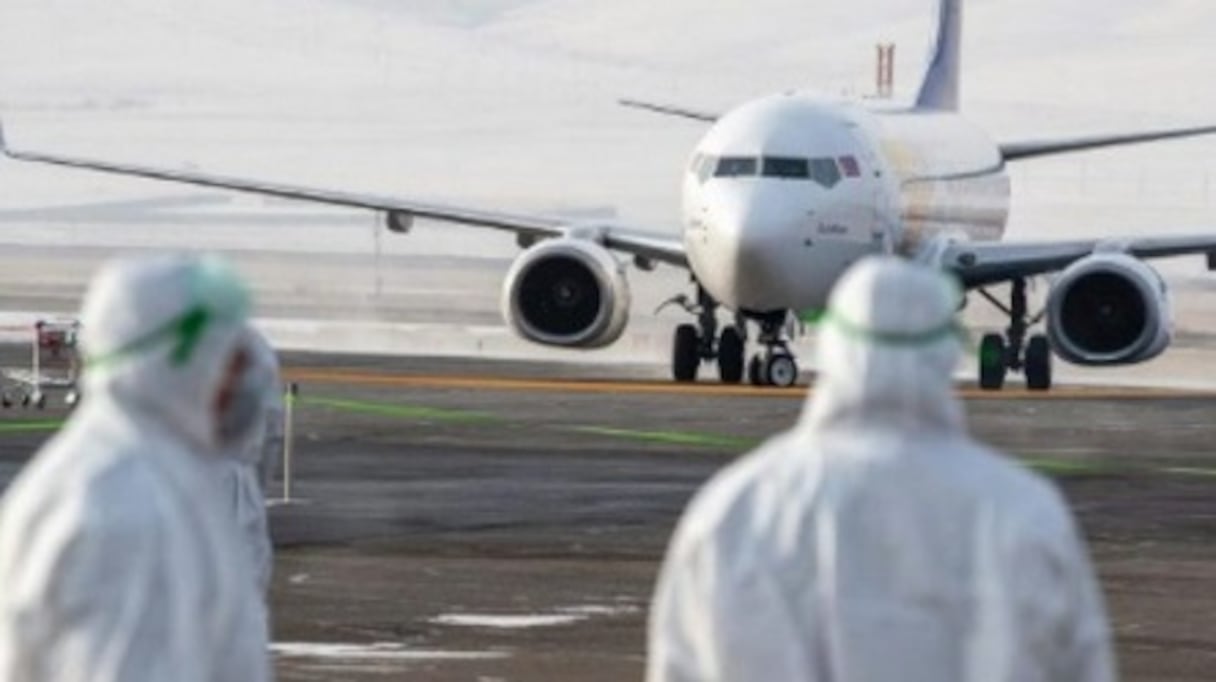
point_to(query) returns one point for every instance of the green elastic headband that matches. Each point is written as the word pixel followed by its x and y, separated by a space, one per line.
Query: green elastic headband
pixel 219 296
pixel 883 338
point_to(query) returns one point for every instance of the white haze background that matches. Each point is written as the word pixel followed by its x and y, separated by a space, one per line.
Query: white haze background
pixel 510 104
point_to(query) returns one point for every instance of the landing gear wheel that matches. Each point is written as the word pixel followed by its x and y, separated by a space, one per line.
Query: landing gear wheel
pixel 992 362
pixel 755 372
pixel 780 370
pixel 685 354
pixel 1038 364
pixel 730 356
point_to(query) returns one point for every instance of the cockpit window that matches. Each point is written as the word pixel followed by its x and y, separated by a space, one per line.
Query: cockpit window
pixel 825 172
pixel 785 167
pixel 851 168
pixel 735 166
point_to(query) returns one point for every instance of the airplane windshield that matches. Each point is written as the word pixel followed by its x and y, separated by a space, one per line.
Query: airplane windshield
pixel 736 166
pixel 825 172
pixel 785 167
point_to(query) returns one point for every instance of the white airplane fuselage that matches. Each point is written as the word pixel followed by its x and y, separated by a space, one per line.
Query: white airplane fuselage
pixel 784 193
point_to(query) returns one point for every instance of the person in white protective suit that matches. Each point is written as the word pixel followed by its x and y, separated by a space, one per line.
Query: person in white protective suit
pixel 117 561
pixel 876 541
pixel 244 470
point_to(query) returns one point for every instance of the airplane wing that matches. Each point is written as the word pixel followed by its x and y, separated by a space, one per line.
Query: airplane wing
pixel 981 264
pixel 670 110
pixel 651 245
pixel 1016 151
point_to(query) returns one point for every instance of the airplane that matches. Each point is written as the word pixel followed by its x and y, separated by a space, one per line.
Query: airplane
pixel 780 197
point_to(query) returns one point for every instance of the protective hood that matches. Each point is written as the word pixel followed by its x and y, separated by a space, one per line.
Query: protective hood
pixel 157 336
pixel 887 348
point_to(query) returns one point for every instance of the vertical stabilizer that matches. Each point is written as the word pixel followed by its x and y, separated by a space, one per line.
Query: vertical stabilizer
pixel 939 90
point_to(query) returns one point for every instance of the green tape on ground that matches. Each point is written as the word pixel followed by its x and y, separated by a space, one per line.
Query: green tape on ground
pixel 1065 467
pixel 399 411
pixel 42 425
pixel 1071 467
pixel 705 440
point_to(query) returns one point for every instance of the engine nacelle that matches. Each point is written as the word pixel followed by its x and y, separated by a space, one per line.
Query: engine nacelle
pixel 1109 309
pixel 567 292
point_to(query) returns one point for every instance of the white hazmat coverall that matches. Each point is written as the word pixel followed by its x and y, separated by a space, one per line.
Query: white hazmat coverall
pixel 876 541
pixel 254 450
pixel 116 560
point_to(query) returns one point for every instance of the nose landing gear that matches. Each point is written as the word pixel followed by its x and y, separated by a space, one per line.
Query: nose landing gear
pixel 776 366
pixel 1000 354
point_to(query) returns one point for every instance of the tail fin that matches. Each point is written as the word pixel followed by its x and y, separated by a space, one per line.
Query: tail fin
pixel 939 90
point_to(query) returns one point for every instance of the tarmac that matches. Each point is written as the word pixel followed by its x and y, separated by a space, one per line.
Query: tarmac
pixel 491 520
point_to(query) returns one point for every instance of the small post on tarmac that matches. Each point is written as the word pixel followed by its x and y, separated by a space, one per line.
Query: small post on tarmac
pixel 289 408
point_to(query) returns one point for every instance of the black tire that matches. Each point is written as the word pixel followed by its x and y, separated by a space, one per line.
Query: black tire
pixel 781 370
pixel 755 371
pixel 993 367
pixel 730 356
pixel 685 354
pixel 1038 364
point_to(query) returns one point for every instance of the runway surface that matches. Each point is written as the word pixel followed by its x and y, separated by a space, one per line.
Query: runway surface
pixel 484 520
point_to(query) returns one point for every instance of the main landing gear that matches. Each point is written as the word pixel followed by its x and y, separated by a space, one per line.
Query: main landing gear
pixel 1001 354
pixel 702 342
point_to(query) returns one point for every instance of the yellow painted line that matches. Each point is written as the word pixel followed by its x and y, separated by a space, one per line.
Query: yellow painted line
pixel 708 389
pixel 534 385
pixel 1088 393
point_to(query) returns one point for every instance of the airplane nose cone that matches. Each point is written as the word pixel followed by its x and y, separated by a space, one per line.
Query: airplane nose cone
pixel 749 237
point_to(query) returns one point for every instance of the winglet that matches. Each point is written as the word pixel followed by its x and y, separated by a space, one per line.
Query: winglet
pixel 3 145
pixel 940 87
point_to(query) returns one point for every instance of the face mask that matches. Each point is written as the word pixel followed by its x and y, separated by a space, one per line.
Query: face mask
pixel 244 410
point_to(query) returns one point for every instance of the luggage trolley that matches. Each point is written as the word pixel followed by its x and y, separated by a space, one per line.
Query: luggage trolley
pixel 54 366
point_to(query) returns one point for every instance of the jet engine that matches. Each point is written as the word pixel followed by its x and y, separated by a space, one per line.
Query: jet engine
pixel 567 292
pixel 1109 309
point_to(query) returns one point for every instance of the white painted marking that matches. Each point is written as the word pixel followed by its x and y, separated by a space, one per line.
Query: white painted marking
pixel 507 622
pixel 375 651
pixel 601 610
pixel 566 615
